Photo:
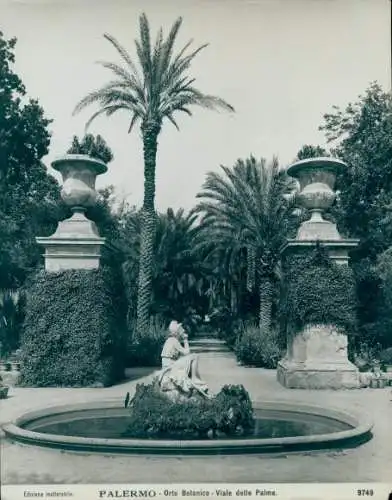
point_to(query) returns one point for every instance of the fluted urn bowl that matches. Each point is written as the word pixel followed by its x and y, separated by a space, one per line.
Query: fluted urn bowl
pixel 316 196
pixel 79 173
pixel 316 177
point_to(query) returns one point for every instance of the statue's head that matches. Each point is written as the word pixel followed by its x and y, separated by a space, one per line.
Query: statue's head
pixel 175 329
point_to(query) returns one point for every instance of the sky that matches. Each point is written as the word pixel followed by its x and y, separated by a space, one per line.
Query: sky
pixel 282 64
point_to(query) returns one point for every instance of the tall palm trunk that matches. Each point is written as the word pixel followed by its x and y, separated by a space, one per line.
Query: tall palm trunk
pixel 266 300
pixel 150 132
pixel 250 268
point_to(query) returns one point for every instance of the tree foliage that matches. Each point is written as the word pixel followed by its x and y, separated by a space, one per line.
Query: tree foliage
pixel 361 135
pixel 28 195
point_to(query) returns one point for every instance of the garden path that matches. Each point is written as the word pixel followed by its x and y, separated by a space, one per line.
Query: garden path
pixel 371 462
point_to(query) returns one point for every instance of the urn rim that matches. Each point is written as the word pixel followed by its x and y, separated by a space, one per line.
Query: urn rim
pixel 98 166
pixel 323 163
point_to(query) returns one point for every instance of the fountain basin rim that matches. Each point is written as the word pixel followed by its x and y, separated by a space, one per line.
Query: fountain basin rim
pixel 361 427
pixel 320 162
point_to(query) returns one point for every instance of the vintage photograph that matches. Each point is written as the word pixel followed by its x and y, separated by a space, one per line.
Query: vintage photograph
pixel 195 245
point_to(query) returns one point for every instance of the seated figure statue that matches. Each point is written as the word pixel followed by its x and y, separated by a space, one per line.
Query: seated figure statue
pixel 180 374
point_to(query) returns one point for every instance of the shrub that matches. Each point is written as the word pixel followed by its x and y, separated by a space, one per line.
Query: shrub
pixel 11 320
pixel 154 414
pixel 147 350
pixel 74 333
pixel 386 356
pixel 90 145
pixel 366 356
pixel 255 348
pixel 319 291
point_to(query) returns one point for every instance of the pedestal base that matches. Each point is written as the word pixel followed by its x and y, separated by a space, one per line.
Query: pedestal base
pixel 75 245
pixel 338 250
pixel 299 376
pixel 317 359
pixel 61 254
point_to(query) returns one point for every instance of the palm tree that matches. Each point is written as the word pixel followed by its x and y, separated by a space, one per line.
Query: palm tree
pixel 245 212
pixel 178 278
pixel 160 88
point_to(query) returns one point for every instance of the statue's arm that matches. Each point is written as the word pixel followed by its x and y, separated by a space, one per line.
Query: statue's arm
pixel 183 350
pixel 187 349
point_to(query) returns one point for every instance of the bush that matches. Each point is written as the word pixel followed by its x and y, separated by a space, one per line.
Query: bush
pixel 386 356
pixel 11 320
pixel 93 146
pixel 366 356
pixel 154 414
pixel 319 291
pixel 147 350
pixel 255 348
pixel 74 331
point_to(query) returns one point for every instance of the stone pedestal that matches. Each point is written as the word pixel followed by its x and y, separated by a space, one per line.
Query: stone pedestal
pixel 317 359
pixel 337 250
pixel 75 245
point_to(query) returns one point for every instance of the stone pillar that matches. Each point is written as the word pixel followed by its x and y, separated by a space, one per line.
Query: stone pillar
pixel 317 356
pixel 76 244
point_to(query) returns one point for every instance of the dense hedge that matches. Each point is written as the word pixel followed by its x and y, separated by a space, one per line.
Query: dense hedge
pixel 154 414
pixel 74 329
pixel 318 291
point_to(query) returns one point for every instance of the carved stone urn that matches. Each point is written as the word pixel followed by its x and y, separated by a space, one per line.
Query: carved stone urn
pixel 79 173
pixel 76 244
pixel 316 178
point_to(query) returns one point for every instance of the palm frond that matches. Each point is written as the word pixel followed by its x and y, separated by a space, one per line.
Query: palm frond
pixel 134 119
pixel 124 54
pixel 168 47
pixel 173 121
pixel 106 110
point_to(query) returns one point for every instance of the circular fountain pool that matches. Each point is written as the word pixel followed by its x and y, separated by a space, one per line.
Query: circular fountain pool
pixel 101 427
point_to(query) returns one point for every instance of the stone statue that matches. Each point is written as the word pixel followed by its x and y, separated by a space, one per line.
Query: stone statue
pixel 179 376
